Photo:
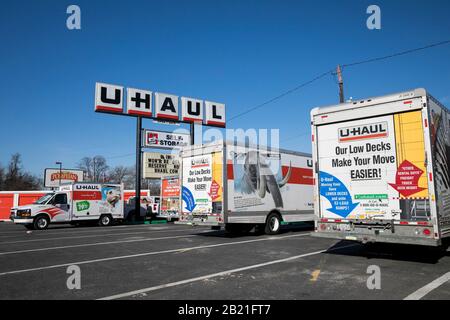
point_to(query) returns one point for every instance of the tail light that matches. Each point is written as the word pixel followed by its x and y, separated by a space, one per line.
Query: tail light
pixel 426 232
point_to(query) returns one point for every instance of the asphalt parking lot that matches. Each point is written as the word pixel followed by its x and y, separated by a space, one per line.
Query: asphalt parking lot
pixel 167 261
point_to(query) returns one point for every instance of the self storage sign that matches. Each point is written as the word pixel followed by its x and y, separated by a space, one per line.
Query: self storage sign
pixel 165 140
pixel 366 166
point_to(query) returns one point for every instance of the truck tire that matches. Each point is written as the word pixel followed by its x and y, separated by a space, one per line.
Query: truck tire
pixel 273 224
pixel 41 223
pixel 105 220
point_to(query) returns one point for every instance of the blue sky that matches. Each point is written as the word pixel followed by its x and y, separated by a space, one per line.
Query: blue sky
pixel 241 53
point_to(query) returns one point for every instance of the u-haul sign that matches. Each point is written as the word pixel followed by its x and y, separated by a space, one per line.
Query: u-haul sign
pixel 363 132
pixel 110 98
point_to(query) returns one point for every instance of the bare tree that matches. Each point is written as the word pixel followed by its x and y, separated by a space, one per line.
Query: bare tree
pixel 85 164
pixel 118 174
pixel 95 168
pixel 14 178
pixel 2 177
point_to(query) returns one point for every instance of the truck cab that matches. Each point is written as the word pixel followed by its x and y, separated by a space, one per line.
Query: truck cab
pixel 52 207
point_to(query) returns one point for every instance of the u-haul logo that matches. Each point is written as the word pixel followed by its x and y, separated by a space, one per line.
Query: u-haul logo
pixel 363 132
pixel 87 187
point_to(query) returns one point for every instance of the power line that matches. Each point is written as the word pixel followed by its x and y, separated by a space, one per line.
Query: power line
pixel 332 72
pixel 396 54
pixel 304 84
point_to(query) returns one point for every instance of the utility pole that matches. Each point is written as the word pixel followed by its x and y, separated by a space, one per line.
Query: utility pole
pixel 341 84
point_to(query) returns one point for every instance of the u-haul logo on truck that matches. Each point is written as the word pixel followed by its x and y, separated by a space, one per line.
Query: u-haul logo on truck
pixel 87 187
pixel 363 132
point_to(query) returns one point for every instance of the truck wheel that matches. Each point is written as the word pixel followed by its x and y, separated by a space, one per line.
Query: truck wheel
pixel 41 223
pixel 105 220
pixel 273 224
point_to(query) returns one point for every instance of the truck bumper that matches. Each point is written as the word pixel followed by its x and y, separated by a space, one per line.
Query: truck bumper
pixel 199 223
pixel 19 220
pixel 365 238
pixel 169 217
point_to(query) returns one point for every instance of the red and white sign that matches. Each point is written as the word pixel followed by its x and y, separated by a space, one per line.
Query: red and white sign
pixel 139 102
pixel 108 98
pixel 214 190
pixel 407 179
pixel 166 140
pixel 215 114
pixel 166 106
pixel 54 177
pixel 170 188
pixel 191 110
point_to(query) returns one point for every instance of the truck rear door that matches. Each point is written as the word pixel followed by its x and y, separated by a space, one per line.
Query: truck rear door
pixel 202 188
pixel 373 168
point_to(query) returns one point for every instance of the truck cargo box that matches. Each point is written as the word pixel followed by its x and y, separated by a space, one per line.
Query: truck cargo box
pixel 382 169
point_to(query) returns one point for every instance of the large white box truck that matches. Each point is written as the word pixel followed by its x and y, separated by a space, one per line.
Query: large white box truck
pixel 239 187
pixel 74 203
pixel 381 169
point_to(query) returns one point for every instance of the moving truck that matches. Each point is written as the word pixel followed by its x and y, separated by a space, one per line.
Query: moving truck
pixel 9 199
pixel 381 167
pixel 240 187
pixel 170 198
pixel 73 203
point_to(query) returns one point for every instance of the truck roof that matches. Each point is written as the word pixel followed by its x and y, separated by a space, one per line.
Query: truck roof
pixel 222 143
pixel 362 103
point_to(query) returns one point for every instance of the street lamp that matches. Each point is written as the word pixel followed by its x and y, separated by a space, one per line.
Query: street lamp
pixel 60 171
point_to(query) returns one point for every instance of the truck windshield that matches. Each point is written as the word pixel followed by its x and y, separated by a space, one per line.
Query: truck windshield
pixel 44 198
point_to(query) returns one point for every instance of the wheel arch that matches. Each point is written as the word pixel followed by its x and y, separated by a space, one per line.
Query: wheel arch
pixel 39 214
pixel 277 212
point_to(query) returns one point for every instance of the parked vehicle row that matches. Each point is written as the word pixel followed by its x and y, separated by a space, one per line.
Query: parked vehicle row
pixel 379 172
pixel 81 202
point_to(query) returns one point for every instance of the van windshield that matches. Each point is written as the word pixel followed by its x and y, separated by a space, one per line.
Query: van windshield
pixel 44 198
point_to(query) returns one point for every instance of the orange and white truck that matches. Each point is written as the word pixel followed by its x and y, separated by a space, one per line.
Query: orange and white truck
pixel 74 203
pixel 240 187
pixel 381 169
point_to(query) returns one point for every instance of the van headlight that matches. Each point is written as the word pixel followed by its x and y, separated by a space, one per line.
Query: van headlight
pixel 24 213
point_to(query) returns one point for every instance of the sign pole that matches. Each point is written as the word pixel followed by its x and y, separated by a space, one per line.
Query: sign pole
pixel 137 207
pixel 192 133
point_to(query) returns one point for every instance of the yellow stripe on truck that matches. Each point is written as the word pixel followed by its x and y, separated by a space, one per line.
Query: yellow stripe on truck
pixel 410 145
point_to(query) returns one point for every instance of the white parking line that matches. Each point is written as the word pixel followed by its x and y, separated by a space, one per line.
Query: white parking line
pixel 94 244
pixel 100 235
pixel 77 230
pixel 218 274
pixel 65 230
pixel 151 253
pixel 422 292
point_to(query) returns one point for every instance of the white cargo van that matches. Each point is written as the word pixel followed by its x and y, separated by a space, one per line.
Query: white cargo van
pixel 381 167
pixel 240 187
pixel 73 203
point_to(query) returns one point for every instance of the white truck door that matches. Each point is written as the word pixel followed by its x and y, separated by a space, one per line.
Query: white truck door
pixel 61 202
